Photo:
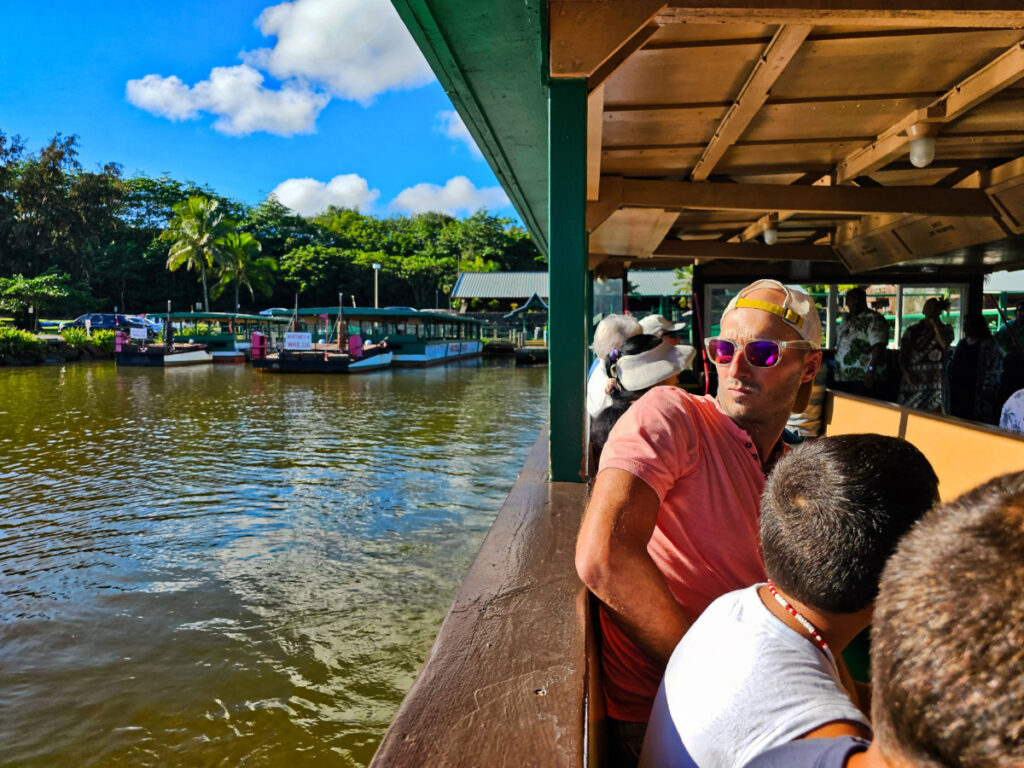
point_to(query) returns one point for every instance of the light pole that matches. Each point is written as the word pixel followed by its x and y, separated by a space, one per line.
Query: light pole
pixel 376 275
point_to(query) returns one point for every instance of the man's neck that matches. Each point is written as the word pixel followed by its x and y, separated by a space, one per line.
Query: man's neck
pixel 836 629
pixel 764 437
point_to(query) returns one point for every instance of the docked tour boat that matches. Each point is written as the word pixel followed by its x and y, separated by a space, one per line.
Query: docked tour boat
pixel 141 355
pixel 414 337
pixel 228 335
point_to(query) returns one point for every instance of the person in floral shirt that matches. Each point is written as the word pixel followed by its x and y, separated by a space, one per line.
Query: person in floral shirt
pixel 1012 418
pixel 860 346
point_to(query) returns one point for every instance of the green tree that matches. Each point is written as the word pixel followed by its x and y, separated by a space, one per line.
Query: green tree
pixel 195 234
pixel 241 266
pixel 19 293
pixel 63 217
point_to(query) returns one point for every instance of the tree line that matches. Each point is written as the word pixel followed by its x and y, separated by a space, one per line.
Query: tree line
pixel 74 240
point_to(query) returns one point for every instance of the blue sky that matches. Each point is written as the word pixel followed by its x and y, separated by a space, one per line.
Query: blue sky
pixel 318 101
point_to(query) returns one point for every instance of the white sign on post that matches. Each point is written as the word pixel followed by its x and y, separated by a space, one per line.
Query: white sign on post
pixel 88 327
pixel 138 333
pixel 295 340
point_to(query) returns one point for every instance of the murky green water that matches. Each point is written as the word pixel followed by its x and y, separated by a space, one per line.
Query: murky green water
pixel 209 567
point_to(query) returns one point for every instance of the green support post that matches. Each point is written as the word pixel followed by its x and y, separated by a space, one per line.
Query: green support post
pixel 567 275
pixel 588 303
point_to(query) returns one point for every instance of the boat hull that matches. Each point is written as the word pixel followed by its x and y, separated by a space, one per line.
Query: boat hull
pixel 158 357
pixel 434 353
pixel 318 362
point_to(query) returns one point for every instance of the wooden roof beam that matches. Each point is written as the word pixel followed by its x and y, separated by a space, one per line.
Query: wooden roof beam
pixel 998 74
pixel 586 35
pixel 642 193
pixel 877 13
pixel 595 125
pixel 609 200
pixel 777 54
pixel 711 249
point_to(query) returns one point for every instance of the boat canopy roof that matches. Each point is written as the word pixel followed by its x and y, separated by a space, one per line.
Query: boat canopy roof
pixel 370 312
pixel 711 123
pixel 236 317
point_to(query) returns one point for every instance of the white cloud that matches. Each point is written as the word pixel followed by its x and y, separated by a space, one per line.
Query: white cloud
pixel 308 197
pixel 354 48
pixel 457 195
pixel 453 127
pixel 237 96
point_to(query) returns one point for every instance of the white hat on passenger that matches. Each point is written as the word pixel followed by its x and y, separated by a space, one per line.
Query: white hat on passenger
pixel 657 325
pixel 639 372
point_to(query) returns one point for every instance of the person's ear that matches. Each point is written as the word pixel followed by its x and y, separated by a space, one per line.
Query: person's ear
pixel 811 365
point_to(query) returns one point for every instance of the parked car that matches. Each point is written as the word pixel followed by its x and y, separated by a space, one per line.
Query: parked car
pixel 109 321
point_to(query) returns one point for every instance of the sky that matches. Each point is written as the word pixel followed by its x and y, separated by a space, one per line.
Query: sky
pixel 318 102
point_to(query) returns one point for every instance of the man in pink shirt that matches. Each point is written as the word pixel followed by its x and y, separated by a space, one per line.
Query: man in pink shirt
pixel 673 517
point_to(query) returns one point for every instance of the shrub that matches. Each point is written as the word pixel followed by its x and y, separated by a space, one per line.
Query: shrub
pixel 75 338
pixel 20 345
pixel 104 339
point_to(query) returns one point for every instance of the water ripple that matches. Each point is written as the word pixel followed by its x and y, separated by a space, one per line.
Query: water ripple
pixel 206 566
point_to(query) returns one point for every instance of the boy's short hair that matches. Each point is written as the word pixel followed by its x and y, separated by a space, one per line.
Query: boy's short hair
pixel 833 511
pixel 948 636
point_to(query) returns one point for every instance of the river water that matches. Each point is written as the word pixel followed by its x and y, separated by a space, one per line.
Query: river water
pixel 210 567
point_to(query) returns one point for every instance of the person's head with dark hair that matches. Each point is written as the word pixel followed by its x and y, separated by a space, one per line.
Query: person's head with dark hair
pixel 1019 311
pixel 935 306
pixel 947 657
pixel 634 345
pixel 976 327
pixel 832 513
pixel 856 300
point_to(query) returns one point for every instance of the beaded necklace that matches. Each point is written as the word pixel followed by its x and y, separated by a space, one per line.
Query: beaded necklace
pixel 804 622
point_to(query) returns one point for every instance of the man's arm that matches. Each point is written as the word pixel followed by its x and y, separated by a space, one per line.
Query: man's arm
pixel 612 560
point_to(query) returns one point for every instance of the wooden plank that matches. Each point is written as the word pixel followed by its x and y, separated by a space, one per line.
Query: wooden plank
pixel 595 122
pixel 811 199
pixel 632 232
pixel 504 681
pixel 608 202
pixel 617 59
pixel 964 454
pixel 998 74
pixel 777 54
pixel 584 34
pixel 712 249
pixel 879 13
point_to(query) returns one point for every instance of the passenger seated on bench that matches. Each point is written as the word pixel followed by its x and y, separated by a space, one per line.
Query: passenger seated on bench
pixel 947 645
pixel 762 666
pixel 642 363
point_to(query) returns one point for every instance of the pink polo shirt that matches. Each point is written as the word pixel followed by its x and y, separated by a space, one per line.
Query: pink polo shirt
pixel 706 541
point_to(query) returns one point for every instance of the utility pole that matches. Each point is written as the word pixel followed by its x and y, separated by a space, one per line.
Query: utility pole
pixel 376 275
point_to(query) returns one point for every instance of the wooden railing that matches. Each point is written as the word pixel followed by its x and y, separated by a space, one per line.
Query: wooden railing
pixel 506 682
pixel 963 453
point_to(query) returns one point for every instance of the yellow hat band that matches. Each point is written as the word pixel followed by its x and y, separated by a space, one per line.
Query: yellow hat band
pixel 786 314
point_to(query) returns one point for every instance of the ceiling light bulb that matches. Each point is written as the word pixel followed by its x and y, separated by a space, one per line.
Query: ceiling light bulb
pixel 771 236
pixel 922 151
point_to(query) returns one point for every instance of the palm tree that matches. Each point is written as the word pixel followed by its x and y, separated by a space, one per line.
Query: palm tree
pixel 194 234
pixel 240 266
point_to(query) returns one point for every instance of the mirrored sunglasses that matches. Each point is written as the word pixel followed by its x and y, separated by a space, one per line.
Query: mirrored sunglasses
pixel 760 353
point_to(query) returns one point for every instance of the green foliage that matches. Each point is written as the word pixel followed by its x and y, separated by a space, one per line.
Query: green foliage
pixel 42 293
pixel 103 339
pixel 75 338
pixel 122 242
pixel 57 215
pixel 20 345
pixel 195 234
pixel 240 265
